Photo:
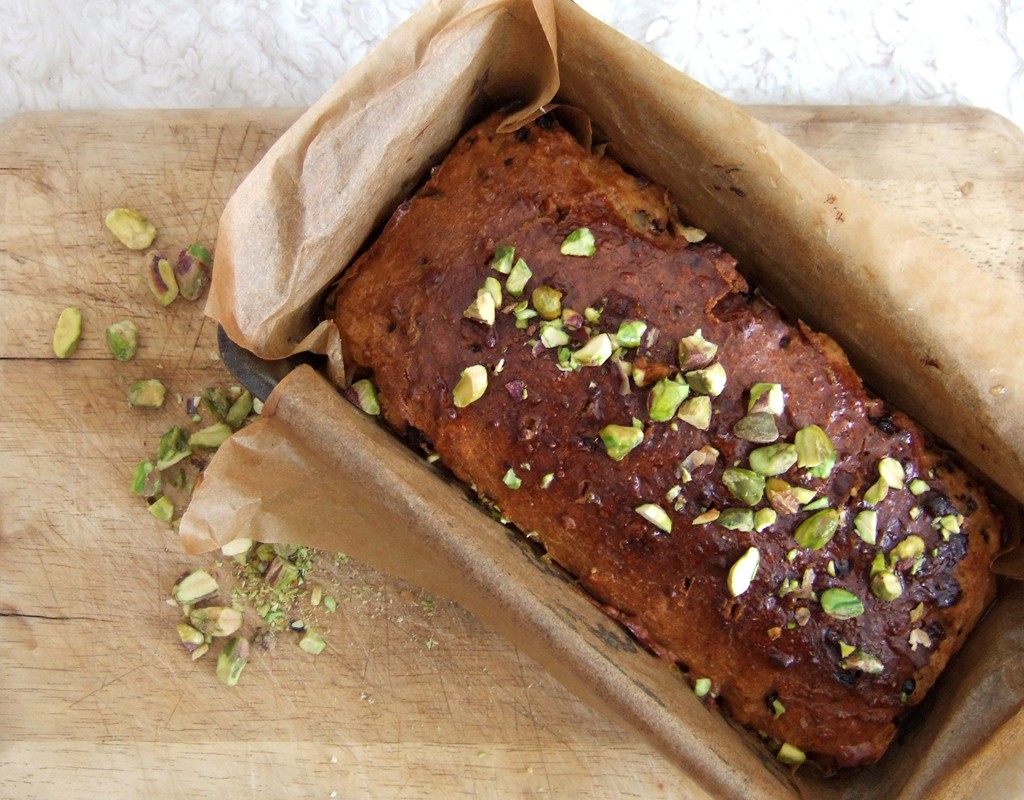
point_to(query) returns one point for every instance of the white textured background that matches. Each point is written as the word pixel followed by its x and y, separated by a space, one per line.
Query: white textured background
pixel 175 53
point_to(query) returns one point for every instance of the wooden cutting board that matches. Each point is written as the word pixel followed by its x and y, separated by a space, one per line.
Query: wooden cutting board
pixel 413 697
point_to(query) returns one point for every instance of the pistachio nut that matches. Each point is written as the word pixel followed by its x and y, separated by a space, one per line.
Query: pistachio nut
pixel 579 243
pixel 312 643
pixel 695 351
pixel 891 471
pixel 790 754
pixel 471 386
pixel 619 440
pixel 735 519
pixel 232 660
pixel 482 309
pixel 366 398
pixel 877 492
pixel 517 278
pixel 918 487
pixel 766 398
pixel 548 302
pixel 759 428
pixel 503 258
pixel 742 572
pixel 744 484
pixel 493 287
pixel 711 515
pixel 595 352
pixel 242 407
pixel 237 547
pixel 216 620
pixel 656 515
pixel 841 604
pixel 702 686
pixel 773 459
pixel 146 479
pixel 67 332
pixel 764 518
pixel 211 437
pixel 816 505
pixel 197 585
pixel 631 333
pixel 592 315
pixel 710 380
pixel 162 508
pixel 863 661
pixel 173 447
pixel 132 229
pixel 190 637
pixel 696 411
pixel 665 398
pixel 908 549
pixel 123 339
pixel 148 393
pixel 216 401
pixel 160 279
pixel 886 585
pixel 546 481
pixel 511 480
pixel 866 525
pixel 818 529
pixel 192 271
pixel 779 493
pixel 553 335
pixel 815 451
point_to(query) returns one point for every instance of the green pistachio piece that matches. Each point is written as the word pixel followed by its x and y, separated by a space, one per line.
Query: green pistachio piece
pixel 511 480
pixel 67 333
pixel 711 515
pixel 242 407
pixel 665 398
pixel 146 479
pixel 791 754
pixel 774 459
pixel 595 352
pixel 162 508
pixel 545 482
pixel 743 571
pixel 191 271
pixel 148 393
pixel 123 340
pixel 841 604
pixel 818 529
pixel 778 709
pixel 173 447
pixel 815 451
pixel 918 487
pixel 579 243
pixel 758 427
pixel 216 620
pixel 471 386
pixel 493 287
pixel 734 519
pixel 865 662
pixel 503 258
pixel 779 493
pixel 197 585
pixel 908 549
pixel 160 279
pixel 891 471
pixel 548 302
pixel 696 411
pixel 517 278
pixel 552 335
pixel 631 333
pixel 217 401
pixel 866 525
pixel 696 351
pixel 656 515
pixel 886 585
pixel 877 492
pixel 482 309
pixel 211 437
pixel 764 518
pixel 816 505
pixel 592 315
pixel 744 484
pixel 366 398
pixel 710 380
pixel 190 637
pixel 237 547
pixel 232 661
pixel 948 524
pixel 702 686
pixel 132 229
pixel 766 398
pixel 620 439
pixel 312 643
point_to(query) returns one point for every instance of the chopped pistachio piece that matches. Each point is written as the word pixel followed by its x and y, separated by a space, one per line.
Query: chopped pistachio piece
pixel 696 411
pixel 711 515
pixel 619 440
pixel 780 494
pixel 841 604
pixel 551 335
pixel 592 315
pixel 815 451
pixel 123 339
pixel 146 479
pixel 232 660
pixel 503 258
pixel 191 271
pixel 665 398
pixel 866 525
pixel 132 229
pixel 237 547
pixel 764 518
pixel 493 287
pixel 710 380
pixel 482 309
pixel 696 351
pixel 736 519
pixel 149 393
pixel 162 508
pixel 766 398
pixel 918 487
pixel 845 649
pixel 366 397
pixel 579 243
pixel 242 407
pixel 548 302
pixel 743 571
pixel 211 437
pixel 759 428
pixel 817 505
pixel 778 709
pixel 744 484
pixel 656 515
pixel 517 278
pixel 67 332
pixel 511 480
pixel 631 333
pixel 595 352
pixel 471 386
pixel 545 482
pixel 877 492
pixel 197 585
pixel 818 529
pixel 190 637
pixel 173 447
pixel 919 636
pixel 312 643
pixel 216 620
pixel 908 549
pixel 860 660
pixel 790 754
pixel 773 459
pixel 702 686
pixel 160 279
pixel 217 401
pixel 886 585
pixel 891 471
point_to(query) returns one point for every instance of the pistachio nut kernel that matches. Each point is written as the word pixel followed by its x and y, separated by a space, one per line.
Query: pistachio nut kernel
pixel 841 604
pixel 907 550
pixel 742 572
pixel 146 479
pixel 764 518
pixel 818 529
pixel 552 335
pixel 845 649
pixel 232 660
pixel 312 643
pixel 517 278
pixel 595 352
pixel 744 484
pixel 160 279
pixel 493 287
pixel 773 459
pixel 918 487
pixel 191 271
pixel 503 258
pixel 242 407
pixel 766 398
pixel 216 400
pixel 132 229
pixel 815 451
pixel 780 494
pixel 190 637
pixel 791 754
pixel 592 315
pixel 710 380
pixel 366 397
pixel 236 547
pixel 631 333
pixel 696 411
pixel 656 515
pixel 173 447
pixel 815 505
pixel 863 661
pixel 886 585
pixel 579 243
pixel 695 351
pixel 163 509
pixel 546 481
pixel 891 471
pixel 148 393
pixel 216 620
pixel 759 428
pixel 619 440
pixel 482 309
pixel 471 386
pixel 877 492
pixel 702 686
pixel 709 516
pixel 866 525
pixel 665 399
pixel 211 437
pixel 123 339
pixel 67 332
pixel 511 480
pixel 197 585
pixel 548 302
pixel 735 519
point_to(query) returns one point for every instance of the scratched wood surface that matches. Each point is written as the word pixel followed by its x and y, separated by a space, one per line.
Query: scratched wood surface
pixel 413 697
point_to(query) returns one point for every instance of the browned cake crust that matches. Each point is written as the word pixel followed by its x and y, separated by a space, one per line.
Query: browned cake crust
pixel 777 659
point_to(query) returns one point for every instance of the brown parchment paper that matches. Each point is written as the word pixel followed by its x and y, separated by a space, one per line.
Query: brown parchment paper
pixel 924 326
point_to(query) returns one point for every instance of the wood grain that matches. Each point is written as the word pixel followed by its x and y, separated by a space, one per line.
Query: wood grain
pixel 413 698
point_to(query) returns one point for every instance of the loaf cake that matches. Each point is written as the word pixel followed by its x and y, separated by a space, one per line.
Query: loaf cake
pixel 715 475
